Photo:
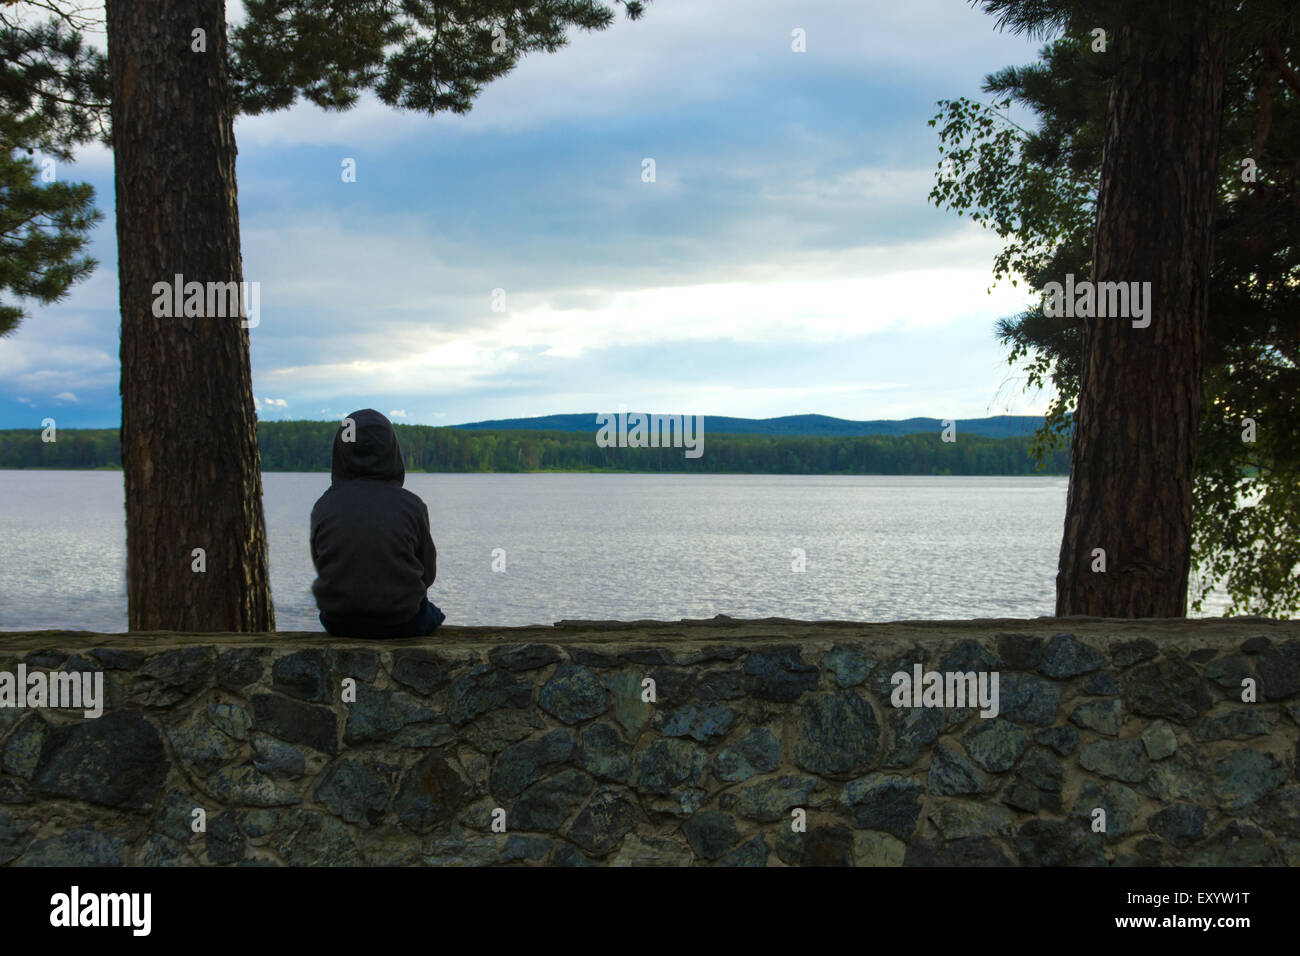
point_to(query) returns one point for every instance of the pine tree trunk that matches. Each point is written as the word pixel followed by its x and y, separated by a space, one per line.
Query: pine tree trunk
pixel 189 436
pixel 1134 446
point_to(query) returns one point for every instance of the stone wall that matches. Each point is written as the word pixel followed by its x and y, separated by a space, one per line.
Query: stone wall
pixel 303 750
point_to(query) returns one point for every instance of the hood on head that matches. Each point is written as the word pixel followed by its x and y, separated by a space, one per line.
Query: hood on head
pixel 373 453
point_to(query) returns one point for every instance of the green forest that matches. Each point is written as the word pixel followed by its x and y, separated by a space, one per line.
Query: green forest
pixel 305 446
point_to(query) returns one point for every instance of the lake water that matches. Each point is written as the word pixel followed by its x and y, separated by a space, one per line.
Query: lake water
pixel 600 546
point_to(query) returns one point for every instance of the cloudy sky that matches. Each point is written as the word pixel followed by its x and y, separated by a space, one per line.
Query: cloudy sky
pixel 784 260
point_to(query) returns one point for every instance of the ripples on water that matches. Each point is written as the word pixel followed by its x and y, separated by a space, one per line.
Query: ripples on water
pixel 600 546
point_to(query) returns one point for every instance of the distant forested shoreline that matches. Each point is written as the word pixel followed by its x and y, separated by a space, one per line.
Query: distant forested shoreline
pixel 306 446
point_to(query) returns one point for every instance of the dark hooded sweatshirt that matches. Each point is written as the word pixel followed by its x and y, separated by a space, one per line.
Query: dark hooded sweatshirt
pixel 370 537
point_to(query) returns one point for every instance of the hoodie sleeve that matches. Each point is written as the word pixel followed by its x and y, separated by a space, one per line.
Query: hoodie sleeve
pixel 428 553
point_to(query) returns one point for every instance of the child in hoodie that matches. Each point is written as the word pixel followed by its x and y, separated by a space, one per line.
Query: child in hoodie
pixel 370 539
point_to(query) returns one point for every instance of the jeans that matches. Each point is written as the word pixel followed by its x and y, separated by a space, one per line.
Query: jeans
pixel 424 623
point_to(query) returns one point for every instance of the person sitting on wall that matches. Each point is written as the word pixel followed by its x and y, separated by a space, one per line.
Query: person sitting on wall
pixel 370 539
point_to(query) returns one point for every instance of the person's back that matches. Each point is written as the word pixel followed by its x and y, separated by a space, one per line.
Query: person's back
pixel 370 539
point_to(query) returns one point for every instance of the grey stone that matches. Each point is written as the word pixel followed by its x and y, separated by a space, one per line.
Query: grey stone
pixel 1103 716
pixel 523 763
pixel 951 774
pixel 198 744
pixel 458 848
pixel 526 847
pixel 486 688
pixel 1167 688
pixel 22 748
pixel 995 744
pixel 757 752
pixel 276 758
pixel 1279 811
pixel 16 836
pixel 1119 759
pixel 960 819
pixel 524 657
pixel 1159 740
pixel 84 846
pixel 667 764
pixel 837 733
pixel 117 760
pixel 118 660
pixel 1058 843
pixel 972 851
pixel 969 655
pixel 703 721
pixel 548 803
pixel 849 663
pixel 1180 824
pixel 773 799
pixel 1028 699
pixel 302 674
pixel 779 674
pixel 1237 844
pixel 574 693
pixel 224 842
pixel 752 852
pixel 492 732
pixel 1244 776
pixel 1122 804
pixel 1062 739
pixel 355 790
pixel 245 784
pixel 173 676
pixel 566 855
pixel 1256 645
pixel 721 684
pixel 652 851
pixel 379 714
pixel 296 722
pixel 1101 684
pixel 258 823
pixel 629 709
pixel 1243 722
pixel 307 838
pixel 599 826
pixel 238 668
pixel 1036 785
pixel 176 815
pixel 912 729
pixel 1229 671
pixel 1067 657
pixel 361 666
pixel 1019 652
pixel 421 671
pixel 159 850
pixel 827 846
pixel 230 718
pixel 1279 672
pixel 1177 779
pixel 885 802
pixel 603 753
pixel 711 833
pixel 1128 653
pixel 877 849
pixel 431 792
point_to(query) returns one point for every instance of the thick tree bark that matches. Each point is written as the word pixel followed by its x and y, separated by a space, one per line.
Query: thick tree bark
pixel 189 436
pixel 1134 446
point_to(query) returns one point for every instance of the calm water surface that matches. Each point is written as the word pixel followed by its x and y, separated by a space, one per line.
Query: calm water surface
pixel 600 546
